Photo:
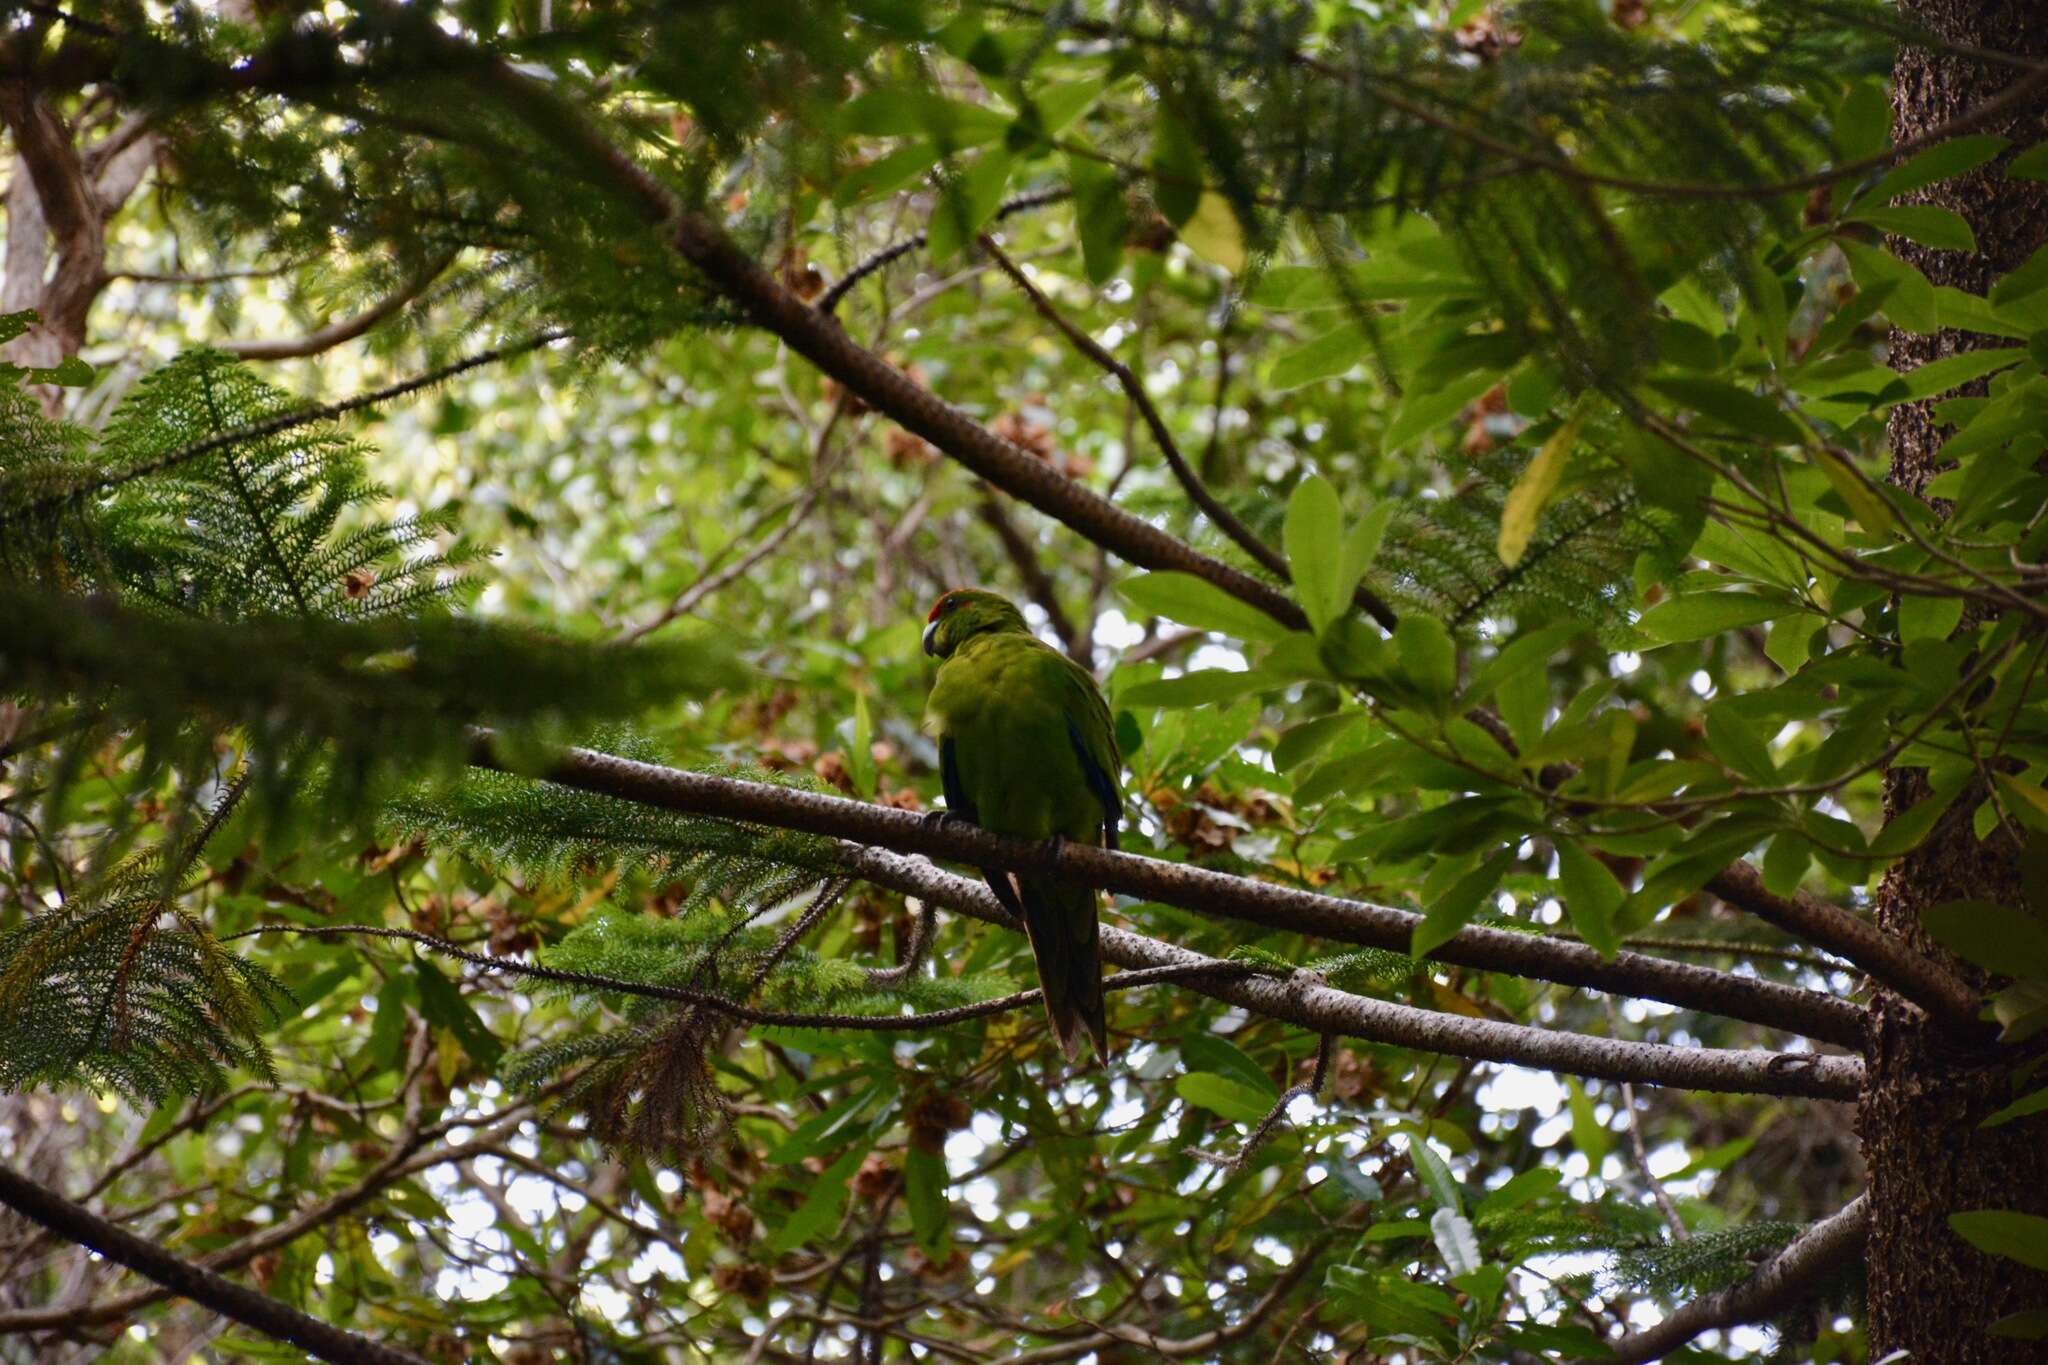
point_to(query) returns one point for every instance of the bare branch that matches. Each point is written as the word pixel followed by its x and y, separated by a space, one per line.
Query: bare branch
pixel 1945 996
pixel 1038 583
pixel 1810 1013
pixel 345 329
pixel 1777 1284
pixel 264 1314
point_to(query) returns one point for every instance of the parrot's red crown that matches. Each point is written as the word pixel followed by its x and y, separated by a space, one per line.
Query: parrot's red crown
pixel 945 603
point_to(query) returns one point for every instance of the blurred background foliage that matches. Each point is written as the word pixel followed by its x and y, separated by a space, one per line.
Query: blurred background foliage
pixel 1503 313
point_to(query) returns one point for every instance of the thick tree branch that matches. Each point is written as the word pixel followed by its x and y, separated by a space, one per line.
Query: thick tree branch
pixel 1777 1284
pixel 819 339
pixel 273 1318
pixel 1808 1012
pixel 1944 995
pixel 1301 1000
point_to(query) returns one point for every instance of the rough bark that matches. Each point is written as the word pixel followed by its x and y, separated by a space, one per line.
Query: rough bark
pixel 1931 1294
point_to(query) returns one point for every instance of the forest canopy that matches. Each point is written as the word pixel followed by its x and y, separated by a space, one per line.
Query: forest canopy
pixel 1551 494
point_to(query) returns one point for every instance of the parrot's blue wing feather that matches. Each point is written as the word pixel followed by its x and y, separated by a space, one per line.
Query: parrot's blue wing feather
pixel 956 790
pixel 959 804
pixel 1101 783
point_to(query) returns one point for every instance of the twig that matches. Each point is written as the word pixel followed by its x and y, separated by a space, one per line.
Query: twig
pixel 345 329
pixel 718 1004
pixel 1037 582
pixel 1777 1284
pixel 1309 1088
pixel 1224 519
pixel 897 250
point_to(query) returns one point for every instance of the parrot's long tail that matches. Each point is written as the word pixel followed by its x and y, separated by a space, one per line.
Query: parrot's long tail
pixel 1060 919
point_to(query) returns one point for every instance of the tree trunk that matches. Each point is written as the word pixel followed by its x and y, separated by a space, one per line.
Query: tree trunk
pixel 1931 1293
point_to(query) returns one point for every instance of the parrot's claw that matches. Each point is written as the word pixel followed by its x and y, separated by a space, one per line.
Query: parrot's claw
pixel 941 819
pixel 1052 850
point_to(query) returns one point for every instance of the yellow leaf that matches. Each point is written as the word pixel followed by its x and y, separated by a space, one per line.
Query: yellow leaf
pixel 1531 493
pixel 1865 502
pixel 1452 1002
pixel 1214 232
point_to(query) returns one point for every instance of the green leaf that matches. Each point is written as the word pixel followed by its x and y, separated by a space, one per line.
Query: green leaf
pixel 820 1211
pixel 967 203
pixel 1790 642
pixel 1695 616
pixel 1534 487
pixel 1303 742
pixel 2030 1324
pixel 1101 216
pixel 1940 162
pixel 1922 223
pixel 1911 303
pixel 1222 1095
pixel 1327 356
pixel 1428 656
pixel 2032 164
pixel 443 1006
pixel 1865 502
pixel 1589 1135
pixel 1528 652
pixel 1904 831
pixel 1997 938
pixel 2022 283
pixel 1455 908
pixel 1937 377
pixel 1362 546
pixel 860 756
pixel 1731 406
pixel 2021 1237
pixel 1204 687
pixel 1591 896
pixel 886 174
pixel 1423 411
pixel 1213 1053
pixel 1928 618
pixel 1313 538
pixel 1431 1173
pixel 2027 1107
pixel 924 1191
pixel 2027 802
pixel 1356 1182
pixel 1199 603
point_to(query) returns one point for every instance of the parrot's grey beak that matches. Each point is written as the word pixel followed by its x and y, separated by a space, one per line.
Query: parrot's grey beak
pixel 931 642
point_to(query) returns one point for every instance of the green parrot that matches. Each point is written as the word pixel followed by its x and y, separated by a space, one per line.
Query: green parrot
pixel 1026 747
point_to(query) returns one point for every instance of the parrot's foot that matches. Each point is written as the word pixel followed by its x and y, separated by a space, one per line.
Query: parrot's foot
pixel 942 819
pixel 1052 849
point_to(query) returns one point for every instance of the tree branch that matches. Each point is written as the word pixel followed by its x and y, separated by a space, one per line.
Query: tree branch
pixel 1299 1000
pixel 1037 582
pixel 591 155
pixel 1944 995
pixel 259 1311
pixel 1777 1284
pixel 1809 1012
pixel 344 329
